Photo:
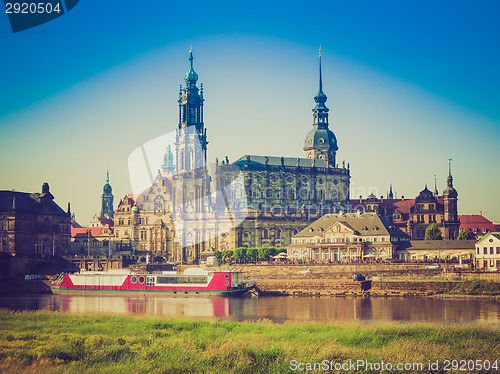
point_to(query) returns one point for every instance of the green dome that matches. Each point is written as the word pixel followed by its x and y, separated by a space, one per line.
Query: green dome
pixel 135 209
pixel 321 139
pixel 107 190
pixel 191 76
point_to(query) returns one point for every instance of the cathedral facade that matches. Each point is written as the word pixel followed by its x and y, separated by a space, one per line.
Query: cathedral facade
pixel 256 201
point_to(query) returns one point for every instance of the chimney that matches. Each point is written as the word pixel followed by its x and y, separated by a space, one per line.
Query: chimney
pixel 480 213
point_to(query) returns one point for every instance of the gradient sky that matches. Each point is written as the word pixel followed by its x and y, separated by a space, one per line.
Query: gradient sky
pixel 409 85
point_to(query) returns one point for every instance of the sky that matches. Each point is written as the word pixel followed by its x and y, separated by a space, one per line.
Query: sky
pixel 409 85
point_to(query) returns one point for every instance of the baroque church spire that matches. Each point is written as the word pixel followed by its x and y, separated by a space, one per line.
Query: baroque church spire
pixel 107 199
pixel 191 139
pixel 320 142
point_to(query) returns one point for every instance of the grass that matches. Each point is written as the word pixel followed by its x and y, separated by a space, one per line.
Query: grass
pixel 475 287
pixel 52 342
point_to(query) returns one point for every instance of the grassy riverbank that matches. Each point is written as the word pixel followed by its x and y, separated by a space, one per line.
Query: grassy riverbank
pixel 48 342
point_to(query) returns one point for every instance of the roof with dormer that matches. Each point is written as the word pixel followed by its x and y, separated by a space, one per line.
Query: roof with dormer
pixel 477 222
pixel 366 224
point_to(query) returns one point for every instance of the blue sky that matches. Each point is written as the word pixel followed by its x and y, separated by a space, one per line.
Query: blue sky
pixel 409 85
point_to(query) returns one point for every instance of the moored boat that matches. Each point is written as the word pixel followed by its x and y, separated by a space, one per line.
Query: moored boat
pixel 202 282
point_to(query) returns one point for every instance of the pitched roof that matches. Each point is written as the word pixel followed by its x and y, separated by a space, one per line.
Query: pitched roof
pixel 441 244
pixel 106 221
pixel 81 232
pixel 477 221
pixel 494 234
pixel 364 224
pixel 29 203
pixel 276 161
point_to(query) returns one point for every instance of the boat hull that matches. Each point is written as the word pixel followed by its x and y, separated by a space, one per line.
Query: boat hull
pixel 216 283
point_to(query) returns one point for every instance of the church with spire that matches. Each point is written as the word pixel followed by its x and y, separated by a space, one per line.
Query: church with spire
pixel 284 194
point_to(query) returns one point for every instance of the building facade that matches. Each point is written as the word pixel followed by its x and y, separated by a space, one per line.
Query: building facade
pixel 348 237
pixel 96 239
pixel 488 251
pixel 33 224
pixel 413 216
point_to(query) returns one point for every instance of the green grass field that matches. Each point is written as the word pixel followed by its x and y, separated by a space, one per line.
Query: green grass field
pixel 49 342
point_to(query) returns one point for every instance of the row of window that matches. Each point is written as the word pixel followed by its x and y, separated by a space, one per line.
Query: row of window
pixel 491 252
pixel 140 221
pixel 491 263
pixel 421 218
pixel 340 240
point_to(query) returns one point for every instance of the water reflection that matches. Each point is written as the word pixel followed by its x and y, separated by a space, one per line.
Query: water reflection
pixel 272 308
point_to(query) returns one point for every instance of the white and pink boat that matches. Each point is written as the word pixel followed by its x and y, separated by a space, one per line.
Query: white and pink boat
pixel 199 282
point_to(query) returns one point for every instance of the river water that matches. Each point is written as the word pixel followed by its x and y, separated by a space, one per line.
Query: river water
pixel 278 309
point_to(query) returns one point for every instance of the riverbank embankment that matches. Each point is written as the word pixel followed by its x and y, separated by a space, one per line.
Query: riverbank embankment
pixel 406 280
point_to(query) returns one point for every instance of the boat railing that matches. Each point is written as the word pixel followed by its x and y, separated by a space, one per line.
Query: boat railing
pixel 59 279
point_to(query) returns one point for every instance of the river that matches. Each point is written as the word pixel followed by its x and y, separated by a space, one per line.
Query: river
pixel 278 309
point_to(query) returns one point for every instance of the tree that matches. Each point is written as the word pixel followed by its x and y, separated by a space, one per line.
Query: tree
pixel 433 233
pixel 227 255
pixel 264 253
pixel 465 235
pixel 252 254
pixel 239 254
pixel 218 255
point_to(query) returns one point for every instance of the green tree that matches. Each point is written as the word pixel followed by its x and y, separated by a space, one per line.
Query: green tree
pixel 251 253
pixel 239 254
pixel 227 255
pixel 433 233
pixel 218 255
pixel 264 253
pixel 465 235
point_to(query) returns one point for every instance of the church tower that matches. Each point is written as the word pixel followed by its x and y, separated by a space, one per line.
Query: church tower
pixel 107 200
pixel 192 182
pixel 168 162
pixel 451 222
pixel 321 142
pixel 191 139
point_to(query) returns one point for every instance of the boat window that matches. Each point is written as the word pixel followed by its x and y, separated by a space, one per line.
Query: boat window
pixel 133 279
pixel 141 279
pixel 183 279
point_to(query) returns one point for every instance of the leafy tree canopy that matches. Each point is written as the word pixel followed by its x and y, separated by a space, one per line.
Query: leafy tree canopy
pixel 433 233
pixel 465 235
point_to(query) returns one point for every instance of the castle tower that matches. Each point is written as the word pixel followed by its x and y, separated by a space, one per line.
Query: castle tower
pixel 107 210
pixel 451 222
pixel 321 142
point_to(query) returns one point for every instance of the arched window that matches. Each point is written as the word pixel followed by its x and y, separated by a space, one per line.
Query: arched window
pixel 321 195
pixel 278 234
pixel 265 234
